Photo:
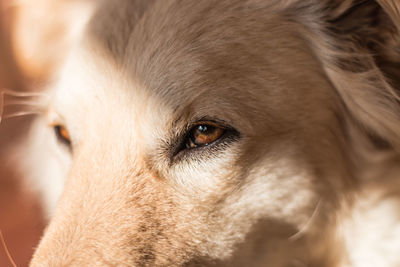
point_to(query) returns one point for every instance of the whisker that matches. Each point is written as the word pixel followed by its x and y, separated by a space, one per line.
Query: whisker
pixel 6 91
pixel 20 114
pixel 30 103
pixel 7 251
pixel 20 103
pixel 307 224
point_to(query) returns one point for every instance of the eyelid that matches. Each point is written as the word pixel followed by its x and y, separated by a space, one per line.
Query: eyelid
pixel 210 121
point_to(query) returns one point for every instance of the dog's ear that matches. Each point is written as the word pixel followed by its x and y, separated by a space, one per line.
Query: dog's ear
pixel 358 43
pixel 43 32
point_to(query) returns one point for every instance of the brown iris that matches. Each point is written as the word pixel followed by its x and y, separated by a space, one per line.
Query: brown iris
pixel 203 134
pixel 62 134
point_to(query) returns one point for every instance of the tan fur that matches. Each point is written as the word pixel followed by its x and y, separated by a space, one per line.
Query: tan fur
pixel 312 179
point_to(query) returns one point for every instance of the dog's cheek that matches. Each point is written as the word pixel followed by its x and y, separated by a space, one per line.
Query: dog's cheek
pixel 226 202
pixel 275 191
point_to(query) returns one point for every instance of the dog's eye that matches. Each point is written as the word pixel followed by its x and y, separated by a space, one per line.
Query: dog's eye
pixel 203 135
pixel 204 138
pixel 62 134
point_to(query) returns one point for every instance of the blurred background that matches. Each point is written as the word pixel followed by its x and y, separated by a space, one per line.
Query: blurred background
pixel 21 221
pixel 35 37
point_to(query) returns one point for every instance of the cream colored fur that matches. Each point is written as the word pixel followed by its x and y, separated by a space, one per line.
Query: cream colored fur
pixel 313 178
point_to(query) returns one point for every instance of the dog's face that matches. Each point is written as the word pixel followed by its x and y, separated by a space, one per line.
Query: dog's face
pixel 201 133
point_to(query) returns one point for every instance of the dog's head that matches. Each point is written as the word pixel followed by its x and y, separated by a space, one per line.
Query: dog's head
pixel 213 132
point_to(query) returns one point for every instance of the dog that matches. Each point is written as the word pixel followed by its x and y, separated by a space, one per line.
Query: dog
pixel 222 133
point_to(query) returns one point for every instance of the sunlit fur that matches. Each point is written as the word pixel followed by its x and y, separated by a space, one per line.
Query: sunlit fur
pixel 313 178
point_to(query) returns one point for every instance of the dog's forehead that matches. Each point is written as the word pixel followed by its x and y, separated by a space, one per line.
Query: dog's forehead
pixel 213 57
pixel 183 50
pixel 165 46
